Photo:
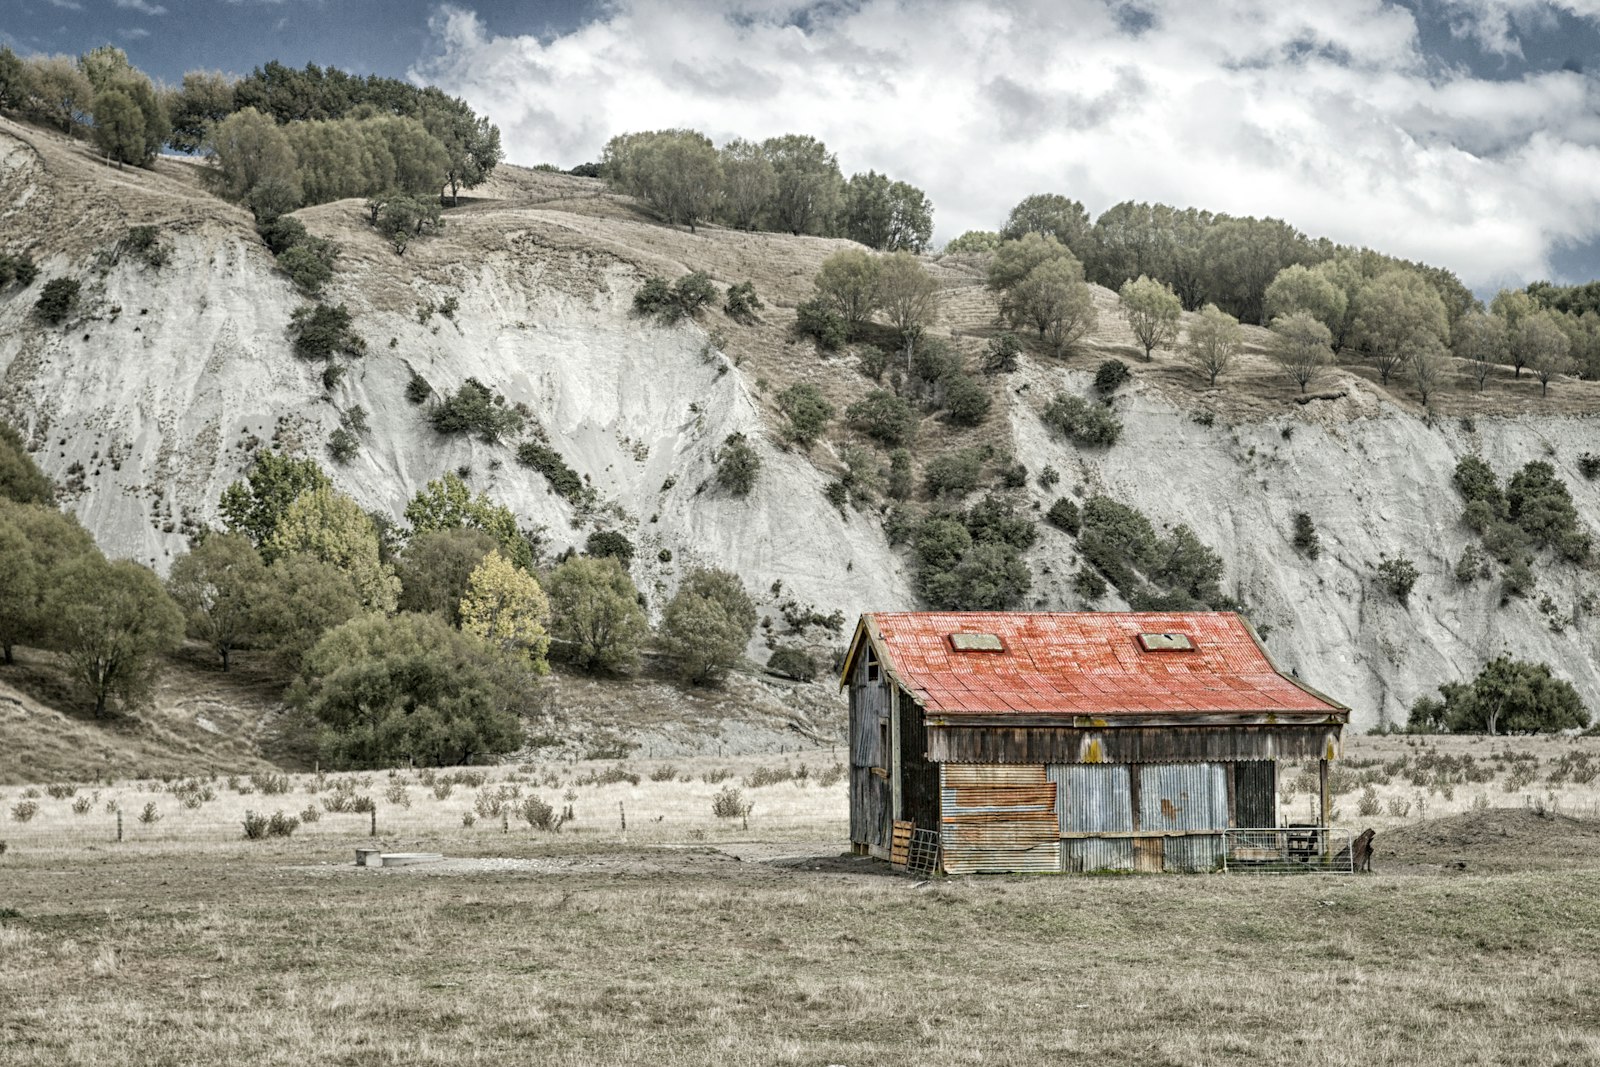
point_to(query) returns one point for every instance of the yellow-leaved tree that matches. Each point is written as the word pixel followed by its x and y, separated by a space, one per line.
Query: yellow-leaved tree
pixel 505 608
pixel 329 526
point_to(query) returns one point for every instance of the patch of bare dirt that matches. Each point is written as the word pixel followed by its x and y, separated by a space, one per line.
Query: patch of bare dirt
pixel 1493 841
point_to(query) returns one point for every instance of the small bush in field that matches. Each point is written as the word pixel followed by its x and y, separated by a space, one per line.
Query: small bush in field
pixel 762 776
pixel 397 794
pixel 539 815
pixel 469 819
pixel 666 772
pixel 150 816
pixel 23 810
pixel 729 803
pixel 255 826
pixel 832 776
pixel 281 825
pixel 1368 804
pixel 61 792
pixel 81 806
pixel 363 805
pixel 311 814
pixel 271 784
pixel 716 776
pixel 443 788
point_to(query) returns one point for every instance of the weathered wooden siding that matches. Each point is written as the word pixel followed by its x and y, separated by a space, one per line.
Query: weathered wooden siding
pixel 869 760
pixel 998 819
pixel 1031 745
pixel 919 776
pixel 1255 794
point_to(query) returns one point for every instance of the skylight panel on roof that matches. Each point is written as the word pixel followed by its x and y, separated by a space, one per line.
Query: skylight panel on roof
pixel 974 642
pixel 1166 643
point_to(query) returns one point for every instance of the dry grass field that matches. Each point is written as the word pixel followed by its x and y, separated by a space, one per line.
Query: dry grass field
pixel 692 939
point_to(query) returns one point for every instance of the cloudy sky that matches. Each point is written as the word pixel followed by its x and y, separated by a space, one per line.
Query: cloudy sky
pixel 1465 133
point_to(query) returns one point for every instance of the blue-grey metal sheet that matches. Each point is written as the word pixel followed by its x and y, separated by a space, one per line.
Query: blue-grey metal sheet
pixel 1183 796
pixel 1097 854
pixel 1092 798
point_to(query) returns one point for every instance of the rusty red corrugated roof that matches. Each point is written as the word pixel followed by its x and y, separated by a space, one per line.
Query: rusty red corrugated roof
pixel 1086 663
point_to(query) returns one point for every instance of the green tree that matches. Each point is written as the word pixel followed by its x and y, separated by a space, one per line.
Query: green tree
pixel 14 89
pixel 1514 696
pixel 803 404
pixel 1542 346
pixel 256 505
pixel 1055 300
pixel 410 689
pixel 1213 341
pixel 886 215
pixel 907 293
pixel 596 621
pixel 217 585
pixel 1396 315
pixel 809 183
pixel 57 299
pixel 21 480
pixel 402 218
pixel 1015 260
pixel 204 99
pixel 1301 288
pixel 329 526
pixel 37 545
pixel 676 172
pixel 1153 312
pixel 471 143
pixel 1301 345
pixel 506 609
pixel 1243 256
pixel 848 283
pixel 706 625
pixel 1480 340
pixel 435 567
pixel 446 504
pixel 111 622
pixel 302 599
pixel 1051 215
pixel 254 163
pixel 610 544
pixel 973 243
pixel 749 184
pixel 884 417
pixel 118 127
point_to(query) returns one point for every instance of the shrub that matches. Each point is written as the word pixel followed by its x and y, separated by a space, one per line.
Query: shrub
pixel 1471 566
pixel 1049 477
pixel 255 826
pixel 1397 575
pixel 308 267
pixel 966 400
pixel 475 408
pixel 1064 514
pixel 538 814
pixel 954 473
pixel 23 810
pixel 1111 376
pixel 884 417
pixel 282 233
pixel 1082 422
pixel 343 446
pixel 738 465
pixel 670 302
pixel 1305 535
pixel 322 332
pixel 281 825
pixel 19 269
pixel 310 814
pixel 816 320
pixel 145 244
pixel 270 784
pixel 729 803
pixel 150 816
pixel 397 794
pixel 873 362
pixel 792 662
pixel 563 480
pixel 900 482
pixel 602 543
pixel 742 303
pixel 1368 805
pixel 808 412
pixel 417 389
pixel 57 791
pixel 82 805
pixel 1517 580
pixel 1589 465
pixel 1000 357
pixel 57 300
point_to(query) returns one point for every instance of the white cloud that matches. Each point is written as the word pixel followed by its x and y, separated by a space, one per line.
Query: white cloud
pixel 1327 115
pixel 143 7
pixel 135 33
pixel 67 5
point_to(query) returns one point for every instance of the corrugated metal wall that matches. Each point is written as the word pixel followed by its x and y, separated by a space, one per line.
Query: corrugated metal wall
pixel 1188 797
pixel 1094 798
pixel 1255 789
pixel 998 819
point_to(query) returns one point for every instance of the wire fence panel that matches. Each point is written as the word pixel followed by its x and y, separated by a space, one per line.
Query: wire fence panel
pixel 1288 850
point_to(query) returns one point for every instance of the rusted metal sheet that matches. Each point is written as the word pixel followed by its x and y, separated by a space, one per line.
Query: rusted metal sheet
pixel 1031 745
pixel 957 776
pixel 1092 798
pixel 998 819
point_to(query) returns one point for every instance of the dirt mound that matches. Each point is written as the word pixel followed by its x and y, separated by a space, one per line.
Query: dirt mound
pixel 1500 839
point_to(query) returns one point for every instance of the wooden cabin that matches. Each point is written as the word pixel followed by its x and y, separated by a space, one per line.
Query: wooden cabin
pixel 1072 741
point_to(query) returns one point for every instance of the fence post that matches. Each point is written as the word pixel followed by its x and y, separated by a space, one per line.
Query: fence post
pixel 119 825
pixel 374 831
